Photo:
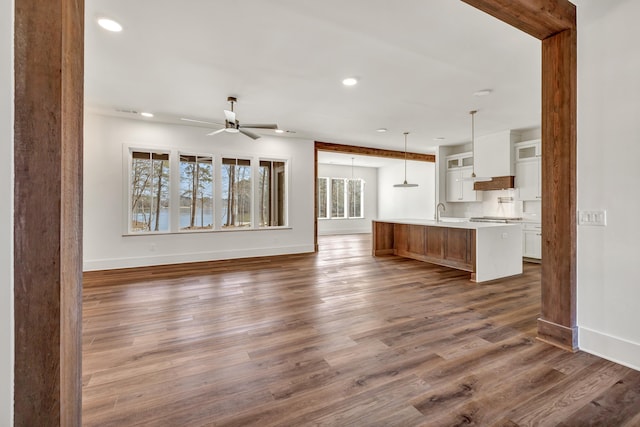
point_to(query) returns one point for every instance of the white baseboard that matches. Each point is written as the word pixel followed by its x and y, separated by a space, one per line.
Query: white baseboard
pixel 115 263
pixel 608 347
pixel 352 231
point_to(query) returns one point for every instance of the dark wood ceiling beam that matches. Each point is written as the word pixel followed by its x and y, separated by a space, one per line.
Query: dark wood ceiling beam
pixel 539 18
pixel 374 152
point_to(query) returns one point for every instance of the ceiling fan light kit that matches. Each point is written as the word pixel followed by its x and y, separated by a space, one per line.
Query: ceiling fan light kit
pixel 405 184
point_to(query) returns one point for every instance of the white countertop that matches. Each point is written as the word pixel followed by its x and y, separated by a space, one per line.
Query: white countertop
pixel 450 224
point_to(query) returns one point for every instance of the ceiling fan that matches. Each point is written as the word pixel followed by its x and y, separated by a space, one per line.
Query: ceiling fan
pixel 232 125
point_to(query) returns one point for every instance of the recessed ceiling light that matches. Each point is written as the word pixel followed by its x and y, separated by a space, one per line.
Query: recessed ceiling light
pixel 483 92
pixel 350 81
pixel 381 130
pixel 279 131
pixel 145 114
pixel 109 25
pixel 439 139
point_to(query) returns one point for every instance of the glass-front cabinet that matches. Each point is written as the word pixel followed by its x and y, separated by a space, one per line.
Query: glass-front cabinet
pixel 529 170
pixel 459 186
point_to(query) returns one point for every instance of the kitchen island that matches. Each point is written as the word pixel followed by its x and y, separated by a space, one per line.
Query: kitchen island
pixel 488 251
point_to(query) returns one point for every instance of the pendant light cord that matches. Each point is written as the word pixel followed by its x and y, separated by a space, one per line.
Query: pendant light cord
pixel 473 142
pixel 405 183
pixel 405 156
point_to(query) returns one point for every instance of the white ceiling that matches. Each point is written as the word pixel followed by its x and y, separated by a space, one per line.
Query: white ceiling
pixel 419 63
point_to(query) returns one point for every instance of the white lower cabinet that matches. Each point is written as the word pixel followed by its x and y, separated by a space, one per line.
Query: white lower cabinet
pixel 532 241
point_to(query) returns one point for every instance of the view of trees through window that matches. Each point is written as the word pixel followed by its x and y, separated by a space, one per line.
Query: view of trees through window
pixel 149 192
pixel 271 194
pixel 196 192
pixel 197 208
pixel 236 192
pixel 354 198
pixel 322 197
pixel 337 197
pixel 343 198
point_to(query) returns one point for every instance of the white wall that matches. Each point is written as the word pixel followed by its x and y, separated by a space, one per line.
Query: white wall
pixel 609 178
pixel 370 208
pixel 105 247
pixel 6 213
pixel 416 202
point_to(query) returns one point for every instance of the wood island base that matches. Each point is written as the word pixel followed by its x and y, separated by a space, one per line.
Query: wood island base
pixel 487 251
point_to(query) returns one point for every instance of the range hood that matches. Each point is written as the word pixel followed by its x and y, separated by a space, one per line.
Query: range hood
pixel 496 183
pixel 493 159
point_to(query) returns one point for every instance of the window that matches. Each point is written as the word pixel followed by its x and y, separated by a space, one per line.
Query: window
pixel 337 197
pixel 323 201
pixel 354 198
pixel 236 193
pixel 196 192
pixel 149 192
pixel 170 191
pixel 271 194
pixel 343 198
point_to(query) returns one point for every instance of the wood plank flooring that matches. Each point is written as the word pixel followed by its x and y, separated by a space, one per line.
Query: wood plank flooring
pixel 337 338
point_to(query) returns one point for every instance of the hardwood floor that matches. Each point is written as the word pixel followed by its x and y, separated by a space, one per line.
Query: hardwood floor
pixel 333 339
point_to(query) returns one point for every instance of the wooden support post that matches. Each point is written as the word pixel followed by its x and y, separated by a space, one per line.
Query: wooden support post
pixel 49 39
pixel 553 22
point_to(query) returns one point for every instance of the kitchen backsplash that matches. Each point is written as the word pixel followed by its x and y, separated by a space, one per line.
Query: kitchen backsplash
pixel 502 203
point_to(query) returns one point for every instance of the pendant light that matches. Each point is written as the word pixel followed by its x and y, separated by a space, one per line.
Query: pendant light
pixel 473 176
pixel 405 184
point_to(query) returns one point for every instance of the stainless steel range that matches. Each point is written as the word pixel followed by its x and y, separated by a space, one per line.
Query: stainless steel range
pixel 497 219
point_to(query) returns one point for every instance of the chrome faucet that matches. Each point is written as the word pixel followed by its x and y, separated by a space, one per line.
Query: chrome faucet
pixel 440 205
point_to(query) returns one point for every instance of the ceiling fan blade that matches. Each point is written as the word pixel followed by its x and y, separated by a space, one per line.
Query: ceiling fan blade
pixel 230 116
pixel 216 132
pixel 199 121
pixel 249 134
pixel 259 126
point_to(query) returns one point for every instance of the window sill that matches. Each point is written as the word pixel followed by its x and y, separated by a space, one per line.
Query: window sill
pixel 339 219
pixel 225 230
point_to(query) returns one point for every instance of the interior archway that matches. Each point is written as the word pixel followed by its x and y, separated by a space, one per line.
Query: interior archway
pixel 48 178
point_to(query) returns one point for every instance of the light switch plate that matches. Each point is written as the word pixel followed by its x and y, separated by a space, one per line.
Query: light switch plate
pixel 594 218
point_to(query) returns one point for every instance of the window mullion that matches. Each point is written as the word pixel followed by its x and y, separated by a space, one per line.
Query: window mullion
pixel 174 189
pixel 346 197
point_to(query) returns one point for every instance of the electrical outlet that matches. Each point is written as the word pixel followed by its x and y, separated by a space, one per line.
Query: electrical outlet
pixel 594 218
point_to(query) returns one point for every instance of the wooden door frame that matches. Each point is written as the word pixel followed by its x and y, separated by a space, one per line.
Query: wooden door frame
pixel 48 105
pixel 358 151
pixel 553 22
pixel 48 126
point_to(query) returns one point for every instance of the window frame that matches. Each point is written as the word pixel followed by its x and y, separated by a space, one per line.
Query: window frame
pixel 252 195
pixel 177 195
pixel 128 151
pixel 285 204
pixel 361 182
pixel 173 190
pixel 345 199
pixel 327 202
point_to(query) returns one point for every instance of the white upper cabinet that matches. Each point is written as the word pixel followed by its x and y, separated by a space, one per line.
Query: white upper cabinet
pixel 529 170
pixel 458 187
pixel 493 154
